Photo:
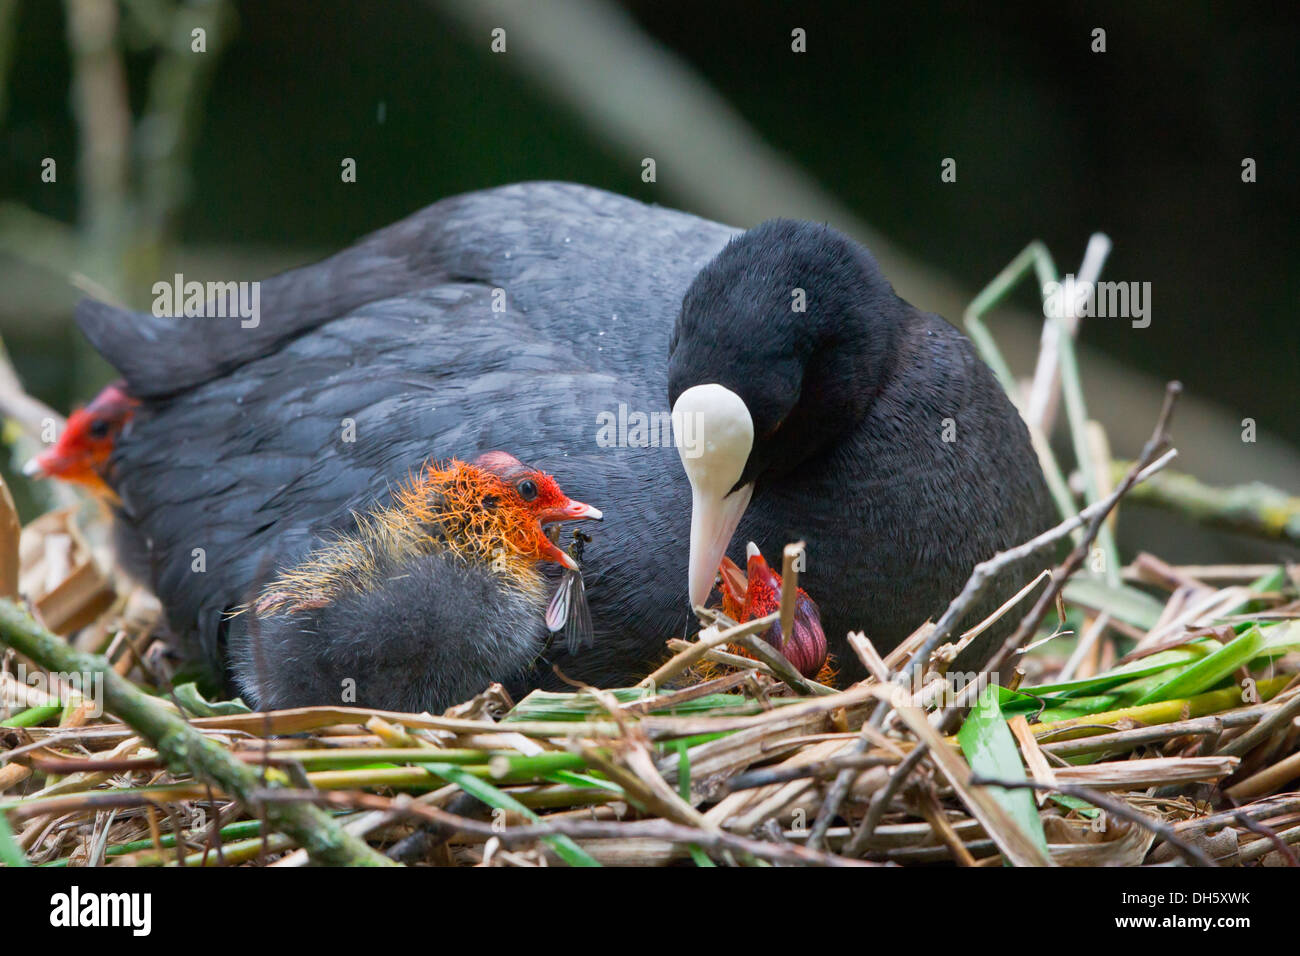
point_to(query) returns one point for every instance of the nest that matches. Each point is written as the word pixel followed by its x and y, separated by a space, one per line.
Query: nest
pixel 1180 750
pixel 1152 715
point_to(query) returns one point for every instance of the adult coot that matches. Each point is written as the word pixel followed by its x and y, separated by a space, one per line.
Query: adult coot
pixel 563 322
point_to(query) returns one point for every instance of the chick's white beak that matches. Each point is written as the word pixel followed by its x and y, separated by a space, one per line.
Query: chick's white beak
pixel 714 434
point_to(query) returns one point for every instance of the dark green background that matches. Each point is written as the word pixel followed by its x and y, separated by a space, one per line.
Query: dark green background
pixel 1144 142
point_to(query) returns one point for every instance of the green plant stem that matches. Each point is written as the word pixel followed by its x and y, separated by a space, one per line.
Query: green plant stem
pixel 1033 257
pixel 33 716
pixel 1255 508
pixel 185 749
pixel 564 847
pixel 1147 715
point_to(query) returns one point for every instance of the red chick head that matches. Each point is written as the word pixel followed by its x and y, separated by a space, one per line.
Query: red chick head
pixel 535 493
pixel 81 454
pixel 757 593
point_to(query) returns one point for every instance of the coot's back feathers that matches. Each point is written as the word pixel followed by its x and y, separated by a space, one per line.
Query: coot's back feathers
pixel 537 240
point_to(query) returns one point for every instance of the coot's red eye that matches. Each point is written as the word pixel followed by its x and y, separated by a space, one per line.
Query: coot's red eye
pixel 527 489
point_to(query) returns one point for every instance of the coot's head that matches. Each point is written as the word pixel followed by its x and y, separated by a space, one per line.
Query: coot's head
pixel 81 454
pixel 782 342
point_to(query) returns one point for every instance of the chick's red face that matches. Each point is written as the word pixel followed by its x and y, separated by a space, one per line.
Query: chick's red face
pixel 539 496
pixel 542 496
pixel 83 450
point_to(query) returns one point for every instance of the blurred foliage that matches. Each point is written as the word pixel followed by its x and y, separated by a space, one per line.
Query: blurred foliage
pixel 1052 141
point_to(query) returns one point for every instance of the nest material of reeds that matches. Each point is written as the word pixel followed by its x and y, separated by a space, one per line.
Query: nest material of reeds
pixel 1154 716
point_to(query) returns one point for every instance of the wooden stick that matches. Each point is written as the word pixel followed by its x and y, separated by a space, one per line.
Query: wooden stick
pixel 1148 460
pixel 684 660
pixel 789 587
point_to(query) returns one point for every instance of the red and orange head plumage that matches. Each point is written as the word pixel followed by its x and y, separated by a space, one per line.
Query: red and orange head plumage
pixel 489 512
pixel 495 503
pixel 756 592
pixel 82 452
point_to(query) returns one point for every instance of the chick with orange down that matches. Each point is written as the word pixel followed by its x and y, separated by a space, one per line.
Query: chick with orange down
pixel 756 592
pixel 82 452
pixel 430 599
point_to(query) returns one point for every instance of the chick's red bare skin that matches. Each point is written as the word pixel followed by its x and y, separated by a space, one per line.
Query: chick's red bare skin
pixel 425 603
pixel 82 451
pixel 539 495
pixel 756 592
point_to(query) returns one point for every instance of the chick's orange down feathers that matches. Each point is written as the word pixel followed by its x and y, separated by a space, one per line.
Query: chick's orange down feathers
pixel 488 512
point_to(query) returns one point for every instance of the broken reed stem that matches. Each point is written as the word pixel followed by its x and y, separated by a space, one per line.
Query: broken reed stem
pixel 753 779
pixel 183 748
pixel 684 660
pixel 1280 715
pixel 1193 854
pixel 1140 736
pixel 722 657
pixel 789 587
pixel 1269 778
pixel 869 656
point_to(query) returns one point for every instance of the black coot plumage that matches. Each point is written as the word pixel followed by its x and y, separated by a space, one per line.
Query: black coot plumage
pixel 532 316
